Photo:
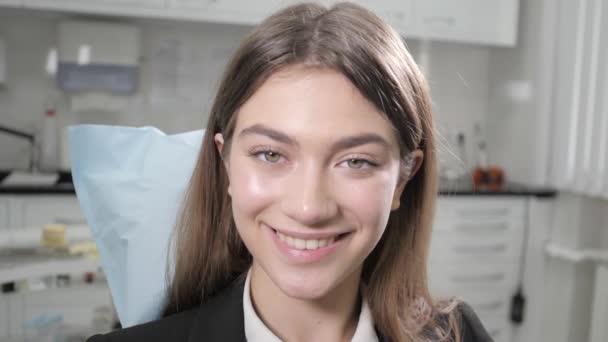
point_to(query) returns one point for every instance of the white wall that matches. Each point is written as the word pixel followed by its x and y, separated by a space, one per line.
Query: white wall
pixel 182 63
pixel 458 75
pixel 521 97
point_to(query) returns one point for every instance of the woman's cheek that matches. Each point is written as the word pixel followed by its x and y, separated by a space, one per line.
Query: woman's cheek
pixel 368 199
pixel 252 190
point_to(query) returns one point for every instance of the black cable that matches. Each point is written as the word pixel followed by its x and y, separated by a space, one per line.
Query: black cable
pixel 518 302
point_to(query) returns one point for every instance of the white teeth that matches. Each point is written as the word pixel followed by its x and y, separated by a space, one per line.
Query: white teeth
pixel 312 244
pixel 304 244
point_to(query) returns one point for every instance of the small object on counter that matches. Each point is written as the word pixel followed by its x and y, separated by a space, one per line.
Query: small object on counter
pixel 462 150
pixel 454 165
pixel 49 142
pixel 31 285
pixel 89 277
pixel 496 178
pixel 53 236
pixel 26 178
pixel 486 178
pixel 88 248
pixel 63 280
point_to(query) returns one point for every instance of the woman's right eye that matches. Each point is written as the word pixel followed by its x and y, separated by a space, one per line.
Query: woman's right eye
pixel 268 156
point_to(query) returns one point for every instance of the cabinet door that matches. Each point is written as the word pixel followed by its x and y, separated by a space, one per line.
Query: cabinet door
pixel 11 2
pixel 95 6
pixel 476 21
pixel 398 13
pixel 39 210
pixel 221 5
pixel 76 303
pixel 229 11
pixel 4 211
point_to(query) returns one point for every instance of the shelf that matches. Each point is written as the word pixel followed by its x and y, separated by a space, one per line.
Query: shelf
pixel 14 268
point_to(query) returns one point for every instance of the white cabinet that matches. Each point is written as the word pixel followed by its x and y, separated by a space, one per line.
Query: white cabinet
pixel 39 210
pixel 35 210
pixel 491 22
pixel 474 21
pixel 229 11
pixel 4 212
pixel 398 13
pixel 11 3
pixel 475 254
pixel 116 7
pixel 2 61
pixel 76 303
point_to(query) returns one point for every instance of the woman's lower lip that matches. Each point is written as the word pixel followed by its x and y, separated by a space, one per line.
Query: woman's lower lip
pixel 303 256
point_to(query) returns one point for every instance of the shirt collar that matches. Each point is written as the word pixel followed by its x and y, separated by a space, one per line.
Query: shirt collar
pixel 257 331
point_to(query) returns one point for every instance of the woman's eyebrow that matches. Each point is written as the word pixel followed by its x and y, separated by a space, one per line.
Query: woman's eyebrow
pixel 342 144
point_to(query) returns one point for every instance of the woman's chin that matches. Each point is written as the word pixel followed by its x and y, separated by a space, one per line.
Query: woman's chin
pixel 309 289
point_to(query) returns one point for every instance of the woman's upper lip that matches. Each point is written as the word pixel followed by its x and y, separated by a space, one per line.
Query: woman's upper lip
pixel 320 235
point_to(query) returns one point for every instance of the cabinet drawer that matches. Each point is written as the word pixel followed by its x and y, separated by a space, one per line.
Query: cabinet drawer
pixel 40 210
pixel 76 304
pixel 449 277
pixel 486 304
pixel 463 208
pixel 490 241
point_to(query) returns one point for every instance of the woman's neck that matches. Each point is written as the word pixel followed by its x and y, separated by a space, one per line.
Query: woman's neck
pixel 331 318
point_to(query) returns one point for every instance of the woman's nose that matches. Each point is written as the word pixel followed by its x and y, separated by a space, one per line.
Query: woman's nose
pixel 307 197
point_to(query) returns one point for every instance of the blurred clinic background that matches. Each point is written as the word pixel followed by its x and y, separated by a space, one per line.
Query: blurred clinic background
pixel 520 91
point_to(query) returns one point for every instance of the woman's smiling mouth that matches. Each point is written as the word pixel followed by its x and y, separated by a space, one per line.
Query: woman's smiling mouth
pixel 306 248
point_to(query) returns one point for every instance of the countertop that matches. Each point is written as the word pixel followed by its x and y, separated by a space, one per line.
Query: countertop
pixel 464 187
pixel 447 188
pixel 63 186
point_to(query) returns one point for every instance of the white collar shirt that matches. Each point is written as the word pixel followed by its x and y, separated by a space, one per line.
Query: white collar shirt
pixel 257 331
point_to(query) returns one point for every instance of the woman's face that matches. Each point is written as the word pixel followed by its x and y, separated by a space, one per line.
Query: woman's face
pixel 314 173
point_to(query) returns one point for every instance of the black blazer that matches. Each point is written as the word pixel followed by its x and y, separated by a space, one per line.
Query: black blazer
pixel 220 319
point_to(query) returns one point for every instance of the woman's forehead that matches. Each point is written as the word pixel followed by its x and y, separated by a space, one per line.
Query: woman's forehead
pixel 313 102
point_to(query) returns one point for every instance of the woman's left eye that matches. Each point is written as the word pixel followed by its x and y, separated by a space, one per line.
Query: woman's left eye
pixel 357 163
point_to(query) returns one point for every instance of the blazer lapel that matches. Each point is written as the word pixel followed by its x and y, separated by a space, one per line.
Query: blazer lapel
pixel 221 317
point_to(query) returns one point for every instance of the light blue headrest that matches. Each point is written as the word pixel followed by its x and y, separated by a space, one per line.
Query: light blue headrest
pixel 130 184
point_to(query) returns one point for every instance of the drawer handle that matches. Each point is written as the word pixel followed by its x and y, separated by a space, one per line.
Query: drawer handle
pixel 495 249
pixel 482 228
pixel 448 21
pixel 70 221
pixel 483 212
pixel 466 278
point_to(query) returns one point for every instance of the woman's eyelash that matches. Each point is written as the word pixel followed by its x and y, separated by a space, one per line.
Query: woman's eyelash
pixel 366 161
pixel 267 150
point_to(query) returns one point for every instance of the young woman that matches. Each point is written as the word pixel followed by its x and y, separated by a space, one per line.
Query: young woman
pixel 309 212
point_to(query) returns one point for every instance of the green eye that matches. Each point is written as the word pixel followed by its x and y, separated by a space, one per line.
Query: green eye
pixel 272 157
pixel 355 163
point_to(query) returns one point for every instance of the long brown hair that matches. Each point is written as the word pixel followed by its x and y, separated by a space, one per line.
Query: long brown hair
pixel 208 251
